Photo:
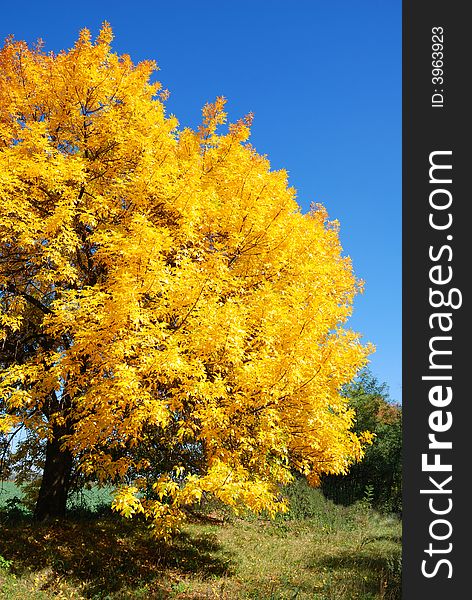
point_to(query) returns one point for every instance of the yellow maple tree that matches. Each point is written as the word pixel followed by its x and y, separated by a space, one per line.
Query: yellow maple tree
pixel 164 280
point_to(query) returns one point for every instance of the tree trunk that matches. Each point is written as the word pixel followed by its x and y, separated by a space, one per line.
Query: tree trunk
pixel 52 499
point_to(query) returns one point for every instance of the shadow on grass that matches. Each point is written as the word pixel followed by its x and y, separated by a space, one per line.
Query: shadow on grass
pixel 370 570
pixel 109 555
pixel 395 539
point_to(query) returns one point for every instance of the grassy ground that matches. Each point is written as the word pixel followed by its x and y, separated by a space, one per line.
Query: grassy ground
pixel 330 553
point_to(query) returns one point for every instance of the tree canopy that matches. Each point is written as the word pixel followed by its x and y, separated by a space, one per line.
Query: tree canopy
pixel 160 283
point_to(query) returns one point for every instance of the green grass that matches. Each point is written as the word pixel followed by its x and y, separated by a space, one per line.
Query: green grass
pixel 8 490
pixel 321 552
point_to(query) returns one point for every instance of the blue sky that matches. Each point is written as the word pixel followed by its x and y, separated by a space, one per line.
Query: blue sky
pixel 323 79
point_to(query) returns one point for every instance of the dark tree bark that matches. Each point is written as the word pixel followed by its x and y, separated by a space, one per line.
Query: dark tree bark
pixel 52 499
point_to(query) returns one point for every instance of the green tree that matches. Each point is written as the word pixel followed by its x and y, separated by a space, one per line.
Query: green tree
pixel 380 472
